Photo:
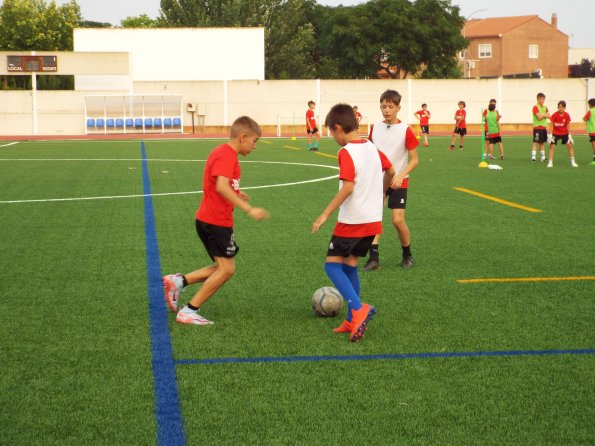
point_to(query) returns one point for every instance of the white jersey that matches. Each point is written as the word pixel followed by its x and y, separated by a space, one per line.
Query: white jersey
pixel 391 139
pixel 364 205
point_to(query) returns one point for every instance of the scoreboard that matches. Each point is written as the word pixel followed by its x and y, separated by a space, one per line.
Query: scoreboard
pixel 32 64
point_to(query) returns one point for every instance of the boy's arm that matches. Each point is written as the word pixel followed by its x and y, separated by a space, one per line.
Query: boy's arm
pixel 412 164
pixel 224 189
pixel 338 199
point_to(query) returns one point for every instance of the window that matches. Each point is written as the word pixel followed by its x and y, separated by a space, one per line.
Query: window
pixel 462 55
pixel 533 51
pixel 485 50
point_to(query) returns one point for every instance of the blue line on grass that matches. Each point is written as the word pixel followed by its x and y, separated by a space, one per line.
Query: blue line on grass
pixel 396 356
pixel 170 430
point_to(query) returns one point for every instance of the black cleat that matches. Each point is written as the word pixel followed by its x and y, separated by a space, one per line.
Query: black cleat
pixel 407 262
pixel 371 265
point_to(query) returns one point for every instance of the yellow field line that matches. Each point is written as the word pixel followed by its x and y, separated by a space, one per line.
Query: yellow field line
pixel 526 279
pixel 325 154
pixel 497 200
pixel 265 141
pixel 292 148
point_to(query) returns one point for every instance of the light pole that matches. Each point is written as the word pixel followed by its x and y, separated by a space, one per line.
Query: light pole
pixel 465 70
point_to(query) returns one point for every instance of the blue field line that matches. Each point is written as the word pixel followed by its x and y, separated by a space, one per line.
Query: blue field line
pixel 396 356
pixel 170 430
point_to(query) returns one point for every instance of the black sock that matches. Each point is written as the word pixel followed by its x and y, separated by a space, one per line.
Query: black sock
pixel 185 282
pixel 192 307
pixel 460 147
pixel 406 251
pixel 374 252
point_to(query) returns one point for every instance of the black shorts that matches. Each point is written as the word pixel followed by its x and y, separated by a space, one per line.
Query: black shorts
pixel 397 198
pixel 495 139
pixel 349 246
pixel 563 138
pixel 460 131
pixel 219 241
pixel 539 135
pixel 425 129
pixel 313 131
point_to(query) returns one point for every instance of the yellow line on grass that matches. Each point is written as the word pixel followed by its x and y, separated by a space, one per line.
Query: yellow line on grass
pixel 265 141
pixel 325 154
pixel 526 279
pixel 497 200
pixel 292 148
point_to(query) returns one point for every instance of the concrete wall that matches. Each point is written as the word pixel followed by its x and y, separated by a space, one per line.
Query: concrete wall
pixel 220 102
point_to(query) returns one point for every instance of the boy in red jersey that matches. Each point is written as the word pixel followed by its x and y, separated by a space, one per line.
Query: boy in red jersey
pixel 424 122
pixel 460 126
pixel 214 221
pixel 358 115
pixel 540 116
pixel 559 128
pixel 589 118
pixel 311 127
pixel 398 142
pixel 359 201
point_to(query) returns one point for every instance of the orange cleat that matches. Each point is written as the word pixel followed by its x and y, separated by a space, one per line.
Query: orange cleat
pixel 345 327
pixel 360 320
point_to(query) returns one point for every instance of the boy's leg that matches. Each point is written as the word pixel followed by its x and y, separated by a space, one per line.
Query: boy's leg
pixel 452 142
pixel 373 262
pixel 309 140
pixel 200 275
pixel 501 150
pixel 593 144
pixel 461 142
pixel 173 284
pixel 334 268
pixel 542 151
pixel 317 140
pixel 398 219
pixel 551 156
pixel 570 148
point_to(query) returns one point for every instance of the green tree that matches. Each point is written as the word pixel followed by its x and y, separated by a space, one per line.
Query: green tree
pixel 141 21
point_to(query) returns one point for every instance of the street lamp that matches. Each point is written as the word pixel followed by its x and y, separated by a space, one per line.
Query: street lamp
pixel 468 70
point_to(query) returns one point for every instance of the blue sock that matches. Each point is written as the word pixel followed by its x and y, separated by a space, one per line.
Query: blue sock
pixel 342 283
pixel 353 276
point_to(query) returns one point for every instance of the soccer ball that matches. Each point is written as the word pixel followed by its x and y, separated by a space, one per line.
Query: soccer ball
pixel 327 302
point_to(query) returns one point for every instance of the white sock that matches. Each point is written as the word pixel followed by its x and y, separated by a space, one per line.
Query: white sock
pixel 533 153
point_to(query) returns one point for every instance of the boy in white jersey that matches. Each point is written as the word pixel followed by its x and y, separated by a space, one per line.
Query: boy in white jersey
pixel 360 196
pixel 399 143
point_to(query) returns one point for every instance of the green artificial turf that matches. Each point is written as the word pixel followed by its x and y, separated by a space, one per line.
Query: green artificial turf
pixel 74 321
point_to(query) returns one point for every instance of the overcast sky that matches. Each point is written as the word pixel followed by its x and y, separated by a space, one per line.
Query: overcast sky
pixel 575 17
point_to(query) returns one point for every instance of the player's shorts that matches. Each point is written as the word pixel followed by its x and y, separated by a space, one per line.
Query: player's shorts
pixel 540 135
pixel 313 131
pixel 460 131
pixel 425 129
pixel 591 138
pixel 495 139
pixel 349 246
pixel 563 138
pixel 397 198
pixel 219 241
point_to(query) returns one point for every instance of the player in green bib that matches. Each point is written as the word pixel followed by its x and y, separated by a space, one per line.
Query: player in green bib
pixel 540 117
pixel 589 118
pixel 493 123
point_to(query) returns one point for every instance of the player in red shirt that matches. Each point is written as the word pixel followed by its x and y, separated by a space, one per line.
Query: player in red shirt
pixel 214 221
pixel 359 200
pixel 460 126
pixel 560 131
pixel 358 115
pixel 424 122
pixel 311 127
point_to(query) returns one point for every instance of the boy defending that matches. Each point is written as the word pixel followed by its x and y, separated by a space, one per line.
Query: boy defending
pixel 214 222
pixel 560 131
pixel 460 126
pixel 540 117
pixel 399 143
pixel 311 127
pixel 360 214
pixel 589 118
pixel 424 122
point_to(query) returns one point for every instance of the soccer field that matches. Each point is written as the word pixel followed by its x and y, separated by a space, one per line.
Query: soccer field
pixel 90 354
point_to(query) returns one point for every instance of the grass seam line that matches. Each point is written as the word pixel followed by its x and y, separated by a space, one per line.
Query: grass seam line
pixel 395 356
pixel 526 279
pixel 170 430
pixel 498 200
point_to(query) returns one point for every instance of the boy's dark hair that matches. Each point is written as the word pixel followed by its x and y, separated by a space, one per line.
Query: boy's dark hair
pixel 244 124
pixel 562 103
pixel 311 102
pixel 592 102
pixel 343 115
pixel 391 96
pixel 424 105
pixel 462 103
pixel 492 101
pixel 540 95
pixel 492 106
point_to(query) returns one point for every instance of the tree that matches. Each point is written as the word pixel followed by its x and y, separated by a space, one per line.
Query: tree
pixel 142 21
pixel 584 69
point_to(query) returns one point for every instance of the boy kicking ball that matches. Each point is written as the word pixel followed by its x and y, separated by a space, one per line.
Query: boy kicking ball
pixel 214 222
pixel 359 200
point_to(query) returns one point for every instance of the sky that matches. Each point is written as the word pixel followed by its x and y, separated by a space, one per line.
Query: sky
pixel 575 17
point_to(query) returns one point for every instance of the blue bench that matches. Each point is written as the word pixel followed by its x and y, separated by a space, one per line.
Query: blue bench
pixel 167 122
pixel 129 122
pixel 109 122
pixel 148 122
pixel 177 122
pixel 157 122
pixel 138 122
pixel 119 123
pixel 90 122
pixel 100 122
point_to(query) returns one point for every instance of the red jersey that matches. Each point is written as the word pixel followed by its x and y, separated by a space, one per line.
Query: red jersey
pixel 358 116
pixel 560 123
pixel 310 119
pixel 424 117
pixel 214 209
pixel 462 115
